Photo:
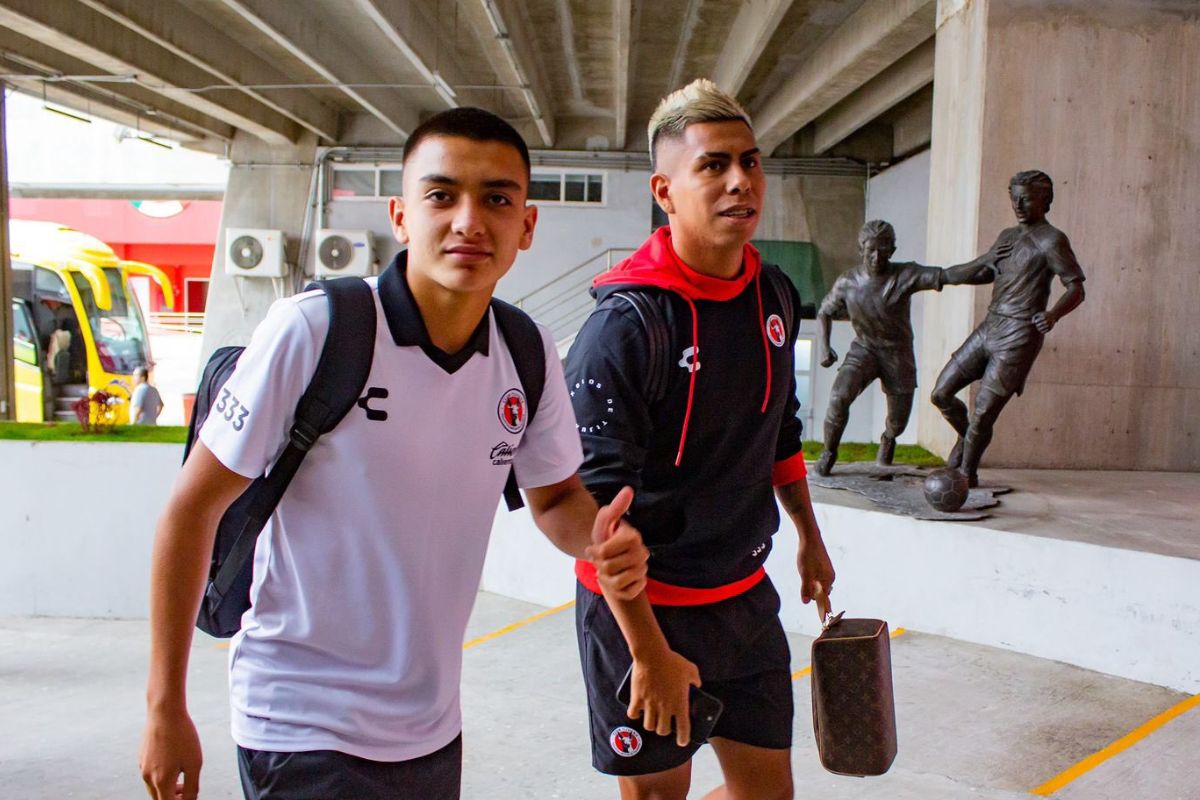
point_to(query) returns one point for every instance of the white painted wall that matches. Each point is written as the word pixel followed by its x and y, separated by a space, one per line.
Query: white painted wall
pixel 1115 611
pixel 77 522
pixel 76 525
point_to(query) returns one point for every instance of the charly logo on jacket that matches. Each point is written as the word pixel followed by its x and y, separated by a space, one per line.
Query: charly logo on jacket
pixel 502 454
pixel 775 330
pixel 690 359
pixel 625 741
pixel 513 411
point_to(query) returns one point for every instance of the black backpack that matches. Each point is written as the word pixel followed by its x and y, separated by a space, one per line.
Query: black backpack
pixel 658 333
pixel 336 385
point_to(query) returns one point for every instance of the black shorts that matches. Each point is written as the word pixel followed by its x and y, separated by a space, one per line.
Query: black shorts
pixel 743 657
pixel 330 775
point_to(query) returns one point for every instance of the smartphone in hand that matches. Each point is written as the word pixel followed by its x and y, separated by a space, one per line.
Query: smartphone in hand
pixel 703 709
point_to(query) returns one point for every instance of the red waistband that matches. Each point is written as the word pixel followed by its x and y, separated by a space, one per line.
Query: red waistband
pixel 666 594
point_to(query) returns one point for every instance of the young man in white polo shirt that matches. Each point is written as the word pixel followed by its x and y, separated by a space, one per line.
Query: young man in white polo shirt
pixel 345 675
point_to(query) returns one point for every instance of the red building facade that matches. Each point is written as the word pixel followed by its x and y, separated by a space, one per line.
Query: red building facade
pixel 181 244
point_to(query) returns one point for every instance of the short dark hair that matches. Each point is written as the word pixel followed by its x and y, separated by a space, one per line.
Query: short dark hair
pixel 470 123
pixel 876 229
pixel 1035 179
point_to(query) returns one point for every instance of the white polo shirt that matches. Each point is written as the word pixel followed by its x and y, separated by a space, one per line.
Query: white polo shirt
pixel 367 572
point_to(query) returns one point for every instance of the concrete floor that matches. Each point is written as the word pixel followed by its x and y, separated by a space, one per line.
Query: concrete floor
pixel 974 722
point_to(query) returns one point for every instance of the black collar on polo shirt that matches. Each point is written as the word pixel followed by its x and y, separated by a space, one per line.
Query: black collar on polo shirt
pixel 408 328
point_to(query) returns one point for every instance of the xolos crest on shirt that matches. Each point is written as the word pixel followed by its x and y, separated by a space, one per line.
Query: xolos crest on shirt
pixel 513 411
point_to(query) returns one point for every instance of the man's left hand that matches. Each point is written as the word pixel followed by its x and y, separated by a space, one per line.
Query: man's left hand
pixel 617 550
pixel 816 575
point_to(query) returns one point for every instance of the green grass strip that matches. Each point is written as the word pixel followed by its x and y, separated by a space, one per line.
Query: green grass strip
pixel 169 434
pixel 911 454
pixel 73 432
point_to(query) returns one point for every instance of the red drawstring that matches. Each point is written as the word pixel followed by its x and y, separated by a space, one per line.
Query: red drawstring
pixel 766 347
pixel 687 415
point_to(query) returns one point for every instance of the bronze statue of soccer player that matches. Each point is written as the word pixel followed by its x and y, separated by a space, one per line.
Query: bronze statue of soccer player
pixel 1001 351
pixel 875 297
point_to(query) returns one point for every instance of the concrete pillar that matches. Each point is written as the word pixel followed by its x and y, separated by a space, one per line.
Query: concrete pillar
pixel 8 393
pixel 269 187
pixel 1105 98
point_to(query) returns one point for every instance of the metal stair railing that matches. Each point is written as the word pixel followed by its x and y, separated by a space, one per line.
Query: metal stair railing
pixel 562 304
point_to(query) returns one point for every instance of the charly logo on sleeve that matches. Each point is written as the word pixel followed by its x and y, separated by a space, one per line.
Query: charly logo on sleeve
pixel 513 411
pixel 775 330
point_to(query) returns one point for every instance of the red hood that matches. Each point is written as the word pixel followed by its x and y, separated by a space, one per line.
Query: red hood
pixel 657 264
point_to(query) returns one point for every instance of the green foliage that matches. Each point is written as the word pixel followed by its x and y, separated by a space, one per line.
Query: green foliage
pixel 73 432
pixel 910 454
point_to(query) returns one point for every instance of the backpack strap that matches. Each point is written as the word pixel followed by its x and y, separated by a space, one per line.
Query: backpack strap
pixel 658 333
pixel 524 342
pixel 338 382
pixel 658 340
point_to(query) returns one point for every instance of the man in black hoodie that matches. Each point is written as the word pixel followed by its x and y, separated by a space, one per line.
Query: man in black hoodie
pixel 703 438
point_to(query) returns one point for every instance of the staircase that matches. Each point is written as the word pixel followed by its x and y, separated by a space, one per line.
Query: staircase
pixel 563 304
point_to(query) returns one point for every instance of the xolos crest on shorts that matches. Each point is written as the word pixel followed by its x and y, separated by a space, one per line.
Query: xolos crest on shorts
pixel 625 741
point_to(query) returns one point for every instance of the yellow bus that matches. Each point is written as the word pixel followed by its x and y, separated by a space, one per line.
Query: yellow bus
pixel 77 327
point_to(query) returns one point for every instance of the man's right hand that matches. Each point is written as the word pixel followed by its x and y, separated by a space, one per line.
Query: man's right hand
pixel 830 358
pixel 659 694
pixel 171 750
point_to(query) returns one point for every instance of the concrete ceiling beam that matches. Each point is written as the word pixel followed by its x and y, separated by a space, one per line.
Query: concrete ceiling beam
pixel 405 25
pixel 20 55
pixel 622 57
pixel 752 30
pixel 691 17
pixel 100 41
pixel 175 27
pixel 899 81
pixel 869 41
pixel 340 65
pixel 509 25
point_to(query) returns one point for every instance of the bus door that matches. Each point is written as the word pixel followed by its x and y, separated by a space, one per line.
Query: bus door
pixel 28 365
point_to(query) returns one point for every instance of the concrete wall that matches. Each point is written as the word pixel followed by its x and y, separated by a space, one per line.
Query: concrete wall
pixel 1105 97
pixel 269 187
pixel 958 87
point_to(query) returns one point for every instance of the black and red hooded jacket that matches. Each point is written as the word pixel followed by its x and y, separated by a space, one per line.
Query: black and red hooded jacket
pixel 703 459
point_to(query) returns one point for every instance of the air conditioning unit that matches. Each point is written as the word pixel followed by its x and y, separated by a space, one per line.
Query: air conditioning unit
pixel 254 253
pixel 343 252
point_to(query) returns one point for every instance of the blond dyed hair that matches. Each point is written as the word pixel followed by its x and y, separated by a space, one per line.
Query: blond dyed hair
pixel 699 101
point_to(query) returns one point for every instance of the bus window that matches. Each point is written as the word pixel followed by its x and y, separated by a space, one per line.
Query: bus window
pixel 119 332
pixel 25 347
pixel 49 286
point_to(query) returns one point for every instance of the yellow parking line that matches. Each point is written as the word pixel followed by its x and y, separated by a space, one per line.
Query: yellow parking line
pixel 487 637
pixel 800 673
pixel 1120 745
